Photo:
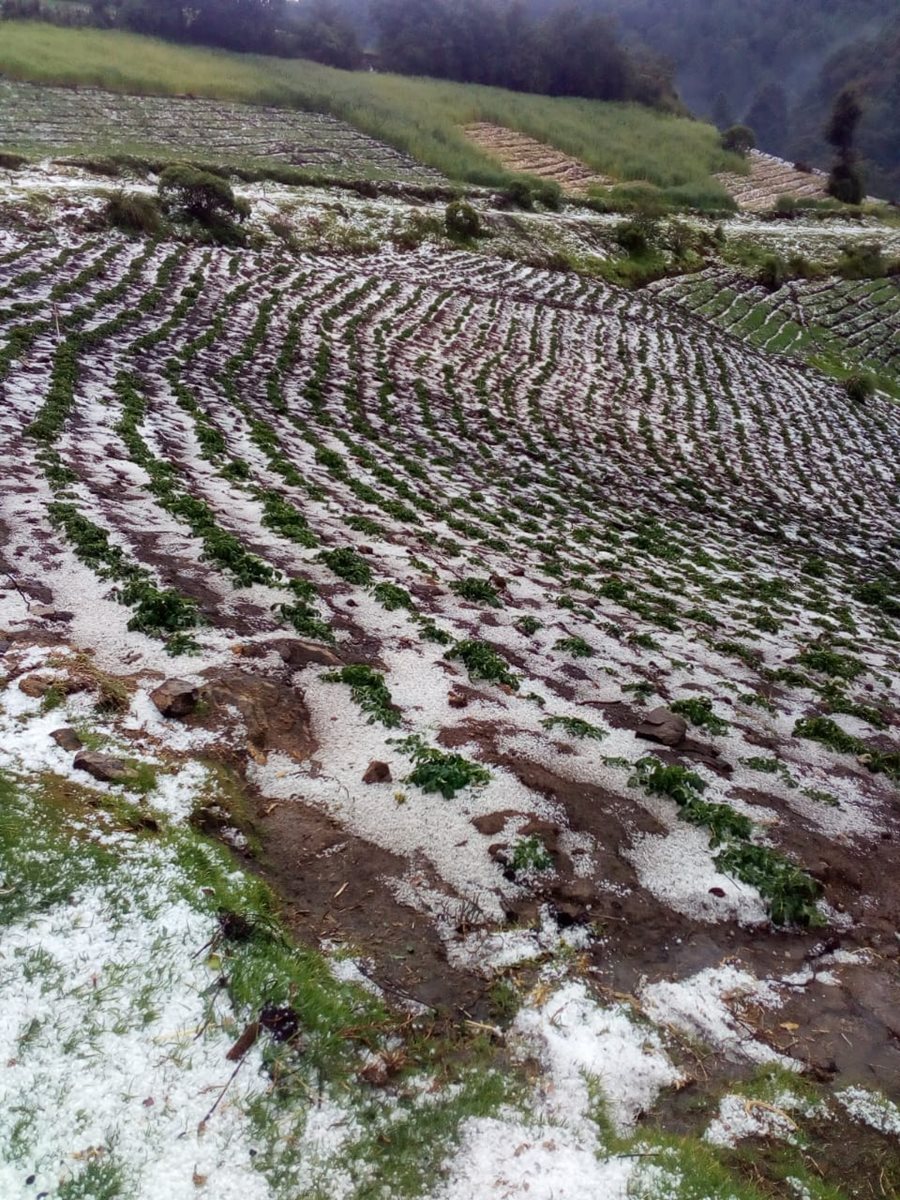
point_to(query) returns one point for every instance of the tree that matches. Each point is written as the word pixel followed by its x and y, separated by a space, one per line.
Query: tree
pixel 722 115
pixel 768 116
pixel 739 139
pixel 842 125
pixel 845 182
pixel 199 194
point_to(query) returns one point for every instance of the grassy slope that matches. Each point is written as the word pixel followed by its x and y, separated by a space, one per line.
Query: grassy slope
pixel 419 116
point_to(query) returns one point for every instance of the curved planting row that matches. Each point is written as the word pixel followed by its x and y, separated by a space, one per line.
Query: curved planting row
pixel 554 497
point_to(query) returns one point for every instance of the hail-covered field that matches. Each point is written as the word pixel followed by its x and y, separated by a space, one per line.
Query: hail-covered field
pixel 55 118
pixel 534 639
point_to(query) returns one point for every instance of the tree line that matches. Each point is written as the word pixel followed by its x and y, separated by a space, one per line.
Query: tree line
pixel 566 50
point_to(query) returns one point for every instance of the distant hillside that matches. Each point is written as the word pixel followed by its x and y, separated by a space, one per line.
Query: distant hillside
pixel 779 65
pixel 872 65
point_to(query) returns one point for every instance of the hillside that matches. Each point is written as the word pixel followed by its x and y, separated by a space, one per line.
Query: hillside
pixel 449 700
pixel 421 117
pixel 780 66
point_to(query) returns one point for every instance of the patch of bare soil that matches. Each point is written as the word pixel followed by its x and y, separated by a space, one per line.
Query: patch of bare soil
pixel 527 156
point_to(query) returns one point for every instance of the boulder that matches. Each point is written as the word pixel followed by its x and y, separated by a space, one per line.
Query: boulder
pixel 662 725
pixel 176 697
pixel 68 739
pixel 105 767
pixel 377 772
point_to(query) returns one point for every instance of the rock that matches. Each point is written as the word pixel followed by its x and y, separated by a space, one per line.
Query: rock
pixel 298 653
pixel 491 823
pixel 104 767
pixel 176 697
pixel 457 700
pixel 48 612
pixel 377 772
pixel 38 685
pixel 68 739
pixel 662 725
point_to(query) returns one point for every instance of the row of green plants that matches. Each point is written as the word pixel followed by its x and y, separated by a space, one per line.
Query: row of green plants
pixel 790 893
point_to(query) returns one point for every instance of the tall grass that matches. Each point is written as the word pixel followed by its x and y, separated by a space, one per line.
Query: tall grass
pixel 422 117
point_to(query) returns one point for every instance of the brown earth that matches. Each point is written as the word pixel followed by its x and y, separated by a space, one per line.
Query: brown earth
pixel 526 156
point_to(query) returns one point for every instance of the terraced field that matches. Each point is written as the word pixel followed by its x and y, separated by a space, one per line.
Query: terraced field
pixel 525 155
pixel 54 119
pixel 769 178
pixel 848 321
pixel 536 641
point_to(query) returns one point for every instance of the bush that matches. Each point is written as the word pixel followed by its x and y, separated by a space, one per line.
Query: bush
pixel 201 195
pixel 739 139
pixel 519 195
pixel 632 237
pixel 859 388
pixel 548 194
pixel 773 273
pixel 10 161
pixel 845 183
pixel 643 198
pixel 134 212
pixel 864 261
pixel 461 220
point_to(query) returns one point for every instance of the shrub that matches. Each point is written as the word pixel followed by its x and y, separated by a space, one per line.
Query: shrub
pixel 10 161
pixel 519 194
pixel 773 273
pixel 205 197
pixel 134 212
pixel 632 237
pixel 859 388
pixel 862 261
pixel 461 220
pixel 739 139
pixel 548 194
pixel 845 183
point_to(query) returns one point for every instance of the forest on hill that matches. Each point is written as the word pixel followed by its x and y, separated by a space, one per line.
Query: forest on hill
pixel 779 66
pixel 567 49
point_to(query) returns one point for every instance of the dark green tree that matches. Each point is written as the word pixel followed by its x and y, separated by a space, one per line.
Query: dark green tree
pixel 845 182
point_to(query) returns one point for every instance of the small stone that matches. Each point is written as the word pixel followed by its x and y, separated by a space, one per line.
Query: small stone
pixel 717 891
pixel 35 685
pixel 458 700
pixel 176 697
pixel 377 772
pixel 662 725
pixel 67 739
pixel 104 767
